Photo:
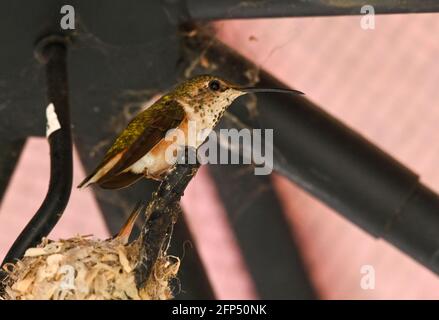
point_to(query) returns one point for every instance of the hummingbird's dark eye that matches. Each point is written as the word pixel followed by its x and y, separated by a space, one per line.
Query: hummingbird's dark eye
pixel 214 85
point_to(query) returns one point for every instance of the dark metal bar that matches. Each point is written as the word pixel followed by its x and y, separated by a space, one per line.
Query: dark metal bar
pixel 53 53
pixel 10 152
pixel 343 169
pixel 336 164
pixel 354 177
pixel 415 227
pixel 264 238
pixel 240 9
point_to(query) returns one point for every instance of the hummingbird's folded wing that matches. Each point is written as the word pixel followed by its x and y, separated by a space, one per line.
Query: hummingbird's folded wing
pixel 145 131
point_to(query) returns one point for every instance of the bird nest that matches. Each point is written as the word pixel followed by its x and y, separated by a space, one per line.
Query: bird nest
pixel 85 268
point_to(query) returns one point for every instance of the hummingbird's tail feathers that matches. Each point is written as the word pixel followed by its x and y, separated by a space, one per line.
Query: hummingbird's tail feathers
pixel 86 182
pixel 100 172
pixel 119 181
pixel 94 177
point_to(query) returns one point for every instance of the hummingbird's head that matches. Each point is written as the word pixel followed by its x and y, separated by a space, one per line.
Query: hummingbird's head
pixel 207 92
pixel 211 94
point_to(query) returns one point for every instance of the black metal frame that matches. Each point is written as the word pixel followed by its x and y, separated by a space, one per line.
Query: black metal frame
pixel 236 9
pixel 372 190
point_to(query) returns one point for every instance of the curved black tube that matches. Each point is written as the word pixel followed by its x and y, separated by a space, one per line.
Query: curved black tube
pixel 53 54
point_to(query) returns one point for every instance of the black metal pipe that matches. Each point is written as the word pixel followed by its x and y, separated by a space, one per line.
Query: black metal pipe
pixel 415 228
pixel 53 53
pixel 352 176
pixel 240 9
pixel 407 215
pixel 261 229
pixel 334 163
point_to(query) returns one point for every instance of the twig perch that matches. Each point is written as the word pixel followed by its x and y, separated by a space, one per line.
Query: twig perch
pixel 162 213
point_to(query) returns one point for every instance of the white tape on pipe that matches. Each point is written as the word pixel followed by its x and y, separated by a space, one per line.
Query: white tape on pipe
pixel 52 120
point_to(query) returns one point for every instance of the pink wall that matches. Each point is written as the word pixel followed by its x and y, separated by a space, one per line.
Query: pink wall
pixel 382 82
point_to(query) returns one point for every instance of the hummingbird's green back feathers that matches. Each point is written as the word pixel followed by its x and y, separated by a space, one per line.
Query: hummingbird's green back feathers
pixel 143 132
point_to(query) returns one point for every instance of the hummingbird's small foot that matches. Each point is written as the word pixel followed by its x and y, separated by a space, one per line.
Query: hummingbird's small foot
pixel 155 176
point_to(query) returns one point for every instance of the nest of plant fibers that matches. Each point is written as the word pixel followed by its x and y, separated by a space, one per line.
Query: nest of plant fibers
pixel 82 268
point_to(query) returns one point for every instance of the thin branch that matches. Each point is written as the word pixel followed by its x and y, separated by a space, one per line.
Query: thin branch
pixel 162 213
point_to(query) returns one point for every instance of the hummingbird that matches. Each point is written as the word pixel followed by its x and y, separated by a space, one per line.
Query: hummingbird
pixel 139 151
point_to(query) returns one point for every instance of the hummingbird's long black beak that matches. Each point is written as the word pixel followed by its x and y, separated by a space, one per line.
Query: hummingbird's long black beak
pixel 278 90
